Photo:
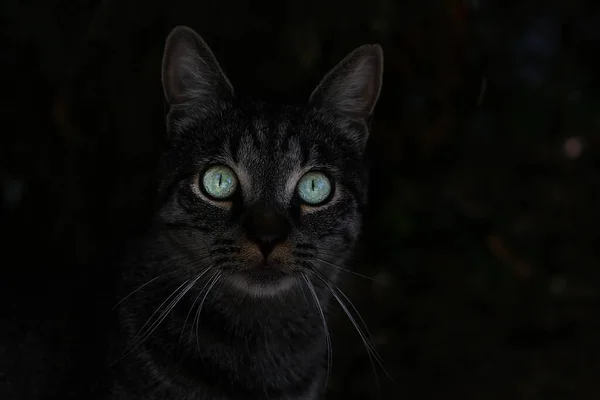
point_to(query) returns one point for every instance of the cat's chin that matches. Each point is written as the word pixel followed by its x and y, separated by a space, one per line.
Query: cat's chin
pixel 262 282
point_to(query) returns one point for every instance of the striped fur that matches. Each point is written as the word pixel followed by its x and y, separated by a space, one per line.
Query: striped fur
pixel 251 340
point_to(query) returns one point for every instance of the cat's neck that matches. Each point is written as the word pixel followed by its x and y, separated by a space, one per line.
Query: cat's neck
pixel 233 342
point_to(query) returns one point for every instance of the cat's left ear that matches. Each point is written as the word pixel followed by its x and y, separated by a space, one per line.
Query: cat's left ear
pixel 190 71
pixel 352 87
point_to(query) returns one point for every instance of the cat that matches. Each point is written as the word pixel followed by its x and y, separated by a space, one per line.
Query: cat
pixel 225 296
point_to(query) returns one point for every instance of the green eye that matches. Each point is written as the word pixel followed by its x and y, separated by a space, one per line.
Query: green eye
pixel 314 188
pixel 219 182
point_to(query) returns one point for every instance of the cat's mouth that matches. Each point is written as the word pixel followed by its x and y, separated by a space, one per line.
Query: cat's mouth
pixel 261 275
pixel 262 282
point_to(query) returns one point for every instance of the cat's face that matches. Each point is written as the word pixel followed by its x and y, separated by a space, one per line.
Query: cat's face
pixel 265 196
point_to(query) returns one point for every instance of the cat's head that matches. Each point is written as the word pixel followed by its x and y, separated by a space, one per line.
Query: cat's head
pixel 264 194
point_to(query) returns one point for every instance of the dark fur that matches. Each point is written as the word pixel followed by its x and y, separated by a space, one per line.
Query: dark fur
pixel 244 346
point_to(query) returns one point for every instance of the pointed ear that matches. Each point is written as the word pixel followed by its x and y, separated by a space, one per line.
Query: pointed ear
pixel 190 71
pixel 352 87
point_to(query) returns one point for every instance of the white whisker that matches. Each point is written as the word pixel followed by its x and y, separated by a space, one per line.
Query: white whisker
pixel 346 270
pixel 325 328
pixel 192 306
pixel 197 317
pixel 371 351
pixel 141 287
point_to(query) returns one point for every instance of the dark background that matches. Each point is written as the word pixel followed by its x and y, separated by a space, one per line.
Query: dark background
pixel 485 190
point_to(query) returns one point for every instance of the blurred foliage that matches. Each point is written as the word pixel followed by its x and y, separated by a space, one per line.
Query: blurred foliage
pixel 485 185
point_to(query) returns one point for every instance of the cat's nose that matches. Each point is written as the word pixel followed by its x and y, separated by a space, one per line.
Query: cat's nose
pixel 266 229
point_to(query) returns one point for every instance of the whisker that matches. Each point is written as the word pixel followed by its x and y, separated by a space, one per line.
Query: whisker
pixel 347 270
pixel 143 333
pixel 364 324
pixel 191 307
pixel 160 306
pixel 220 284
pixel 136 340
pixel 197 317
pixel 371 351
pixel 141 287
pixel 166 312
pixel 325 328
pixel 196 259
pixel 357 328
pixel 368 342
pixel 206 284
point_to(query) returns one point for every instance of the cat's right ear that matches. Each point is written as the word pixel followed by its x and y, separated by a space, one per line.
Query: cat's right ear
pixel 190 71
pixel 352 87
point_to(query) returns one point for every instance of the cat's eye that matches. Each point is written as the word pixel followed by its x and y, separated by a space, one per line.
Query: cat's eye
pixel 219 182
pixel 314 188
